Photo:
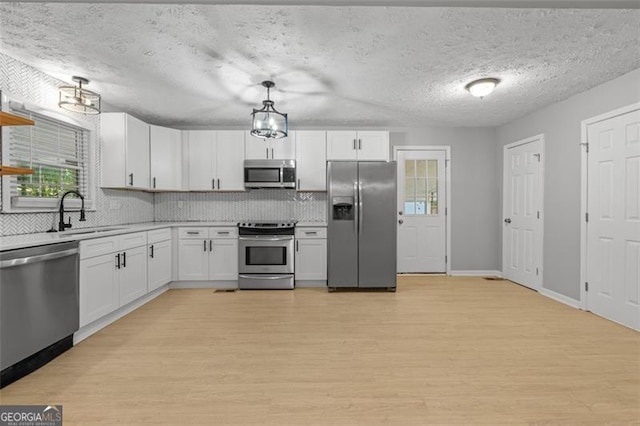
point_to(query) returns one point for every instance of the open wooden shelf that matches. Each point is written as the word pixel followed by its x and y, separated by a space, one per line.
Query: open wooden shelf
pixel 7 119
pixel 6 170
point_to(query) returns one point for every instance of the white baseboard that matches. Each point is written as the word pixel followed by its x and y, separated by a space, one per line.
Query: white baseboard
pixel 476 273
pixel 101 323
pixel 311 283
pixel 560 298
pixel 218 285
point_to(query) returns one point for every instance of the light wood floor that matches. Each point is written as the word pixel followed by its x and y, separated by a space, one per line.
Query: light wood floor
pixel 441 350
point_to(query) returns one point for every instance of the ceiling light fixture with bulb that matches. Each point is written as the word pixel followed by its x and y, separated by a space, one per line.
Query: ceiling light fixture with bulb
pixel 267 122
pixel 482 87
pixel 79 99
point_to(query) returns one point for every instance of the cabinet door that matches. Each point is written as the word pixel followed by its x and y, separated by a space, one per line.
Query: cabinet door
pixel 133 274
pixel 256 148
pixel 311 160
pixel 193 260
pixel 98 288
pixel 201 146
pixel 373 146
pixel 137 153
pixel 285 148
pixel 165 147
pixel 224 260
pixel 311 259
pixel 159 264
pixel 230 161
pixel 341 145
pixel 112 157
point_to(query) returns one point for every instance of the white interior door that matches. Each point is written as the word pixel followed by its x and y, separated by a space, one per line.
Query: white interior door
pixel 522 209
pixel 421 211
pixel 613 228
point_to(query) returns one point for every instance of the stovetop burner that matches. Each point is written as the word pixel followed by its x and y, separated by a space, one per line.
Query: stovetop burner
pixel 267 224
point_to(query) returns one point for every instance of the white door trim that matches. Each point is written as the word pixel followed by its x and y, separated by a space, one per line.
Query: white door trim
pixel 584 162
pixel 447 156
pixel 539 137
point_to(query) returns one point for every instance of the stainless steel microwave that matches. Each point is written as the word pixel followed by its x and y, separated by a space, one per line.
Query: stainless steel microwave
pixel 269 174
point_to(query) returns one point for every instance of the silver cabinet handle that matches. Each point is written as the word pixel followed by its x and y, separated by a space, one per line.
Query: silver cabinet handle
pixel 218 183
pixel 354 144
pixel 213 184
pixel 210 245
pixel 193 232
pixel 205 244
pixel 267 151
pixel 310 233
pixel 154 182
pixel 39 258
pixel 222 232
pixel 272 153
pixel 359 143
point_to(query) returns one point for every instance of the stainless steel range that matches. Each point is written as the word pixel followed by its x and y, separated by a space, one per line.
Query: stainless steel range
pixel 265 260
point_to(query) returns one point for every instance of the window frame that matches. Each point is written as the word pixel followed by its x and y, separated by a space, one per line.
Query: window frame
pixel 11 203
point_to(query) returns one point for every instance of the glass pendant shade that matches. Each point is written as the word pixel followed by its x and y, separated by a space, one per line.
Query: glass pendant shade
pixel 267 122
pixel 79 99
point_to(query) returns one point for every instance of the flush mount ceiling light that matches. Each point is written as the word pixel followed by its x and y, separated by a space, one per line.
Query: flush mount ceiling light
pixel 267 122
pixel 78 99
pixel 482 87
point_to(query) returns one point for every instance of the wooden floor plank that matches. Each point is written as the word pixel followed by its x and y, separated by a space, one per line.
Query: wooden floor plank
pixel 441 350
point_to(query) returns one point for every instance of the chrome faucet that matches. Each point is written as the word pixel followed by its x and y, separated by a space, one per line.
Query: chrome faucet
pixel 61 225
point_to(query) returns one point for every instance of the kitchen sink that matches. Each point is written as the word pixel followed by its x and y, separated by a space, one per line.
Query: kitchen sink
pixel 87 231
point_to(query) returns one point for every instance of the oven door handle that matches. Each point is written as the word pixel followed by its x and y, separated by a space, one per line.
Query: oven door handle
pixel 262 238
pixel 265 277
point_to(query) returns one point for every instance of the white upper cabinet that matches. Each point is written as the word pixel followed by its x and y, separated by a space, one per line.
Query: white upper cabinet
pixel 311 160
pixel 166 158
pixel 230 160
pixel 358 145
pixel 125 151
pixel 215 160
pixel 201 147
pixel 267 149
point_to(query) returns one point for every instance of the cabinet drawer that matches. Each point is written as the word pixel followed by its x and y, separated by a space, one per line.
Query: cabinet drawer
pixel 135 239
pixel 193 233
pixel 158 235
pixel 319 232
pixel 227 232
pixel 98 246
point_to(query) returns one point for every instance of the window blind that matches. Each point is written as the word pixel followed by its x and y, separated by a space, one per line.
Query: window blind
pixel 55 150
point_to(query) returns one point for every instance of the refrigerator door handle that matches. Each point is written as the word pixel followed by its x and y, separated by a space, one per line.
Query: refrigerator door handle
pixel 360 208
pixel 356 206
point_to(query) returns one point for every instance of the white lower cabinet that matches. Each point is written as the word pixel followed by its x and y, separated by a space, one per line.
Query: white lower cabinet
pixel 113 272
pixel 99 289
pixel 311 256
pixel 208 254
pixel 159 258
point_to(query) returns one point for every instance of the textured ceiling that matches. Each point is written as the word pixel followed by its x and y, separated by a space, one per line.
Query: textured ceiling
pixel 201 65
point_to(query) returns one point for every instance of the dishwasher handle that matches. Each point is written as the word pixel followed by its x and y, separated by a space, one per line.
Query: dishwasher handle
pixel 38 258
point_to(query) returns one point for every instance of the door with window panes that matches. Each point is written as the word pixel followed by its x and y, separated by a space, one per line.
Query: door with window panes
pixel 421 211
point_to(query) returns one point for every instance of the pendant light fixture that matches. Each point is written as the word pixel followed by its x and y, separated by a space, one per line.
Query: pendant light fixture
pixel 482 87
pixel 79 99
pixel 267 122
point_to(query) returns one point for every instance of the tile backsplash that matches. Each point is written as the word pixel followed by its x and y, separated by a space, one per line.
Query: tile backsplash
pixel 257 204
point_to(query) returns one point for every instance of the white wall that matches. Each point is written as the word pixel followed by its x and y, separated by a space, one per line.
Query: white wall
pixel 113 207
pixel 475 203
pixel 560 124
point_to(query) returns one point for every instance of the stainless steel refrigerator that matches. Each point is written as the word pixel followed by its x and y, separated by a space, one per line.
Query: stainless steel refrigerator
pixel 362 225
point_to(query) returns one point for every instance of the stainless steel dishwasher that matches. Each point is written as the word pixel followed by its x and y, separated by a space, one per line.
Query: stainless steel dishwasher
pixel 39 306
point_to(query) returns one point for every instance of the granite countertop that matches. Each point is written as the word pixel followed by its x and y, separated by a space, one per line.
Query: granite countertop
pixel 11 242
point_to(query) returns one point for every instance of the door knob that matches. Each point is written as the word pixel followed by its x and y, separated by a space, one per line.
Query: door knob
pixel 507 220
pixel 401 221
pixel 400 213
